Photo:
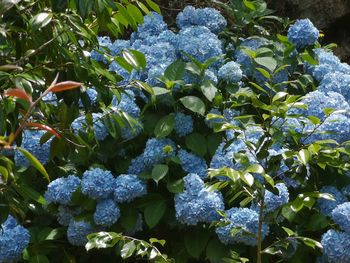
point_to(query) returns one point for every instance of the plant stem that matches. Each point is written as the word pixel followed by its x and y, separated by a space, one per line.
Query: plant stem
pixel 260 227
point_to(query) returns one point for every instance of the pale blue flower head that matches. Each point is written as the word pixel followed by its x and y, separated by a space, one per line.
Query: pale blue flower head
pixel 326 206
pixel 97 183
pixel 183 124
pixel 247 220
pixel 156 150
pixel 208 17
pixel 77 232
pixel 31 143
pixel 230 72
pixel 341 215
pixel 127 187
pixel 192 163
pixel 197 203
pixel 14 239
pixel 336 246
pixel 303 33
pixel 60 191
pixel 107 212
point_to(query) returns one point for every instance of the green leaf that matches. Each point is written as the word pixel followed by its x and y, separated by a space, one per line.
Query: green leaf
pixel 40 20
pixel 153 5
pixel 135 13
pixel 194 104
pixel 35 162
pixel 165 126
pixel 197 143
pixel 154 212
pixel 250 5
pixel 175 70
pixel 209 90
pixel 27 192
pixel 176 186
pixel 279 95
pixel 304 156
pixel 216 250
pixel 159 171
pixel 128 249
pixel 135 58
pixel 310 242
pixel 265 73
pixel 268 62
pixel 247 178
pixel 195 243
pixel 39 259
pixel 288 231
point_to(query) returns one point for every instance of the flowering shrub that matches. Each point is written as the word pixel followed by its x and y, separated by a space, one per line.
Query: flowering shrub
pixel 225 144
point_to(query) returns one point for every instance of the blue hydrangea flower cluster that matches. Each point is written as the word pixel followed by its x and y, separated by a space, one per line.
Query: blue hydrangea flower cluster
pixel 230 72
pixel 100 130
pixel 161 46
pixel 197 203
pixel 337 82
pixel 31 143
pixel 66 213
pixel 77 232
pixel 247 221
pixel 192 163
pixel 208 17
pixel 128 105
pixel 341 216
pixel 157 150
pixel 97 183
pixel 14 238
pixel 336 246
pixel 203 45
pixel 272 201
pixel 107 212
pixel 92 95
pixel 326 206
pixel 303 33
pixel 183 124
pixel 127 187
pixel 336 126
pixel 60 191
pixel 328 63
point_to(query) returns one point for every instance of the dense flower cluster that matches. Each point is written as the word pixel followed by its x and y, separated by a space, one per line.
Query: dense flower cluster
pixel 341 215
pixel 61 190
pixel 273 201
pixel 77 232
pixel 230 72
pixel 303 33
pixel 127 187
pixel 208 17
pixel 336 246
pixel 107 212
pixel 96 184
pixel 192 163
pixel 197 203
pixel 14 238
pixel 327 206
pixel 31 143
pixel 245 220
pixel 183 124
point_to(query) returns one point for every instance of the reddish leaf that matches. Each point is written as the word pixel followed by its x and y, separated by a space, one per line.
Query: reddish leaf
pixel 18 93
pixel 43 127
pixel 65 85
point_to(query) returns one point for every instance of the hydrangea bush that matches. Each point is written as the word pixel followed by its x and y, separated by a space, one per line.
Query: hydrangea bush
pixel 221 140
